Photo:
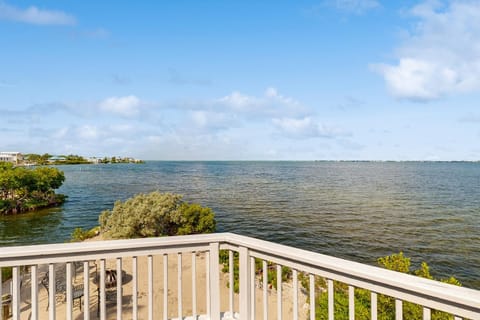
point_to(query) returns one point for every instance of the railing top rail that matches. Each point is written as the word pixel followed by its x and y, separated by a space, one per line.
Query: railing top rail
pixel 367 273
pixel 20 255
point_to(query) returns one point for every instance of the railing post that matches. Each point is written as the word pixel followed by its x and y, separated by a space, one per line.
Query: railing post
pixel 86 290
pixel 244 277
pixel 51 292
pixel 214 281
pixel 16 293
pixel 1 294
pixel 102 295
pixel 34 288
pixel 69 297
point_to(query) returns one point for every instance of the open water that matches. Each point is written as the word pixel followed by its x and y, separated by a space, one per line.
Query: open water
pixel 354 210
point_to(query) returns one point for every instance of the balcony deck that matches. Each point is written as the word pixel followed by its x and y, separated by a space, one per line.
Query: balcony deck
pixel 181 277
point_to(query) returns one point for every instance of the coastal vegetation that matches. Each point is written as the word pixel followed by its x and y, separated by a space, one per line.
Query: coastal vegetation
pixel 119 160
pixel 48 159
pixel 154 215
pixel 24 189
pixel 80 235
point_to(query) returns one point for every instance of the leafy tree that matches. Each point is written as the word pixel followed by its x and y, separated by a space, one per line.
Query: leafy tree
pixel 155 214
pixel 23 189
pixel 37 158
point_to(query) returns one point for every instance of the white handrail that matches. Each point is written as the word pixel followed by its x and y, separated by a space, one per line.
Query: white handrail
pixel 459 301
pixel 434 294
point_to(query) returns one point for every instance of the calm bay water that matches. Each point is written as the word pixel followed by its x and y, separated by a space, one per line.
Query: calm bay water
pixel 354 210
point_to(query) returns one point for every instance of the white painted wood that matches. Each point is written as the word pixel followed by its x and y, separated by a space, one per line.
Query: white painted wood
pixel 103 302
pixel 207 280
pixel 460 301
pixel 244 278
pixel 194 285
pixel 312 296
pixel 457 318
pixel 61 253
pixel 179 285
pixel 51 292
pixel 34 288
pixel 351 302
pixel 373 305
pixel 16 293
pixel 119 289
pixel 398 309
pixel 165 286
pixel 214 281
pixel 230 280
pixel 265 289
pixel 86 290
pixel 134 288
pixel 427 314
pixel 295 294
pixel 435 295
pixel 1 293
pixel 331 295
pixel 252 288
pixel 150 286
pixel 69 300
pixel 279 292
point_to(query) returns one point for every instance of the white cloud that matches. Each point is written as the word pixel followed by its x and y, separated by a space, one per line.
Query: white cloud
pixel 270 104
pixel 34 15
pixel 88 132
pixel 306 127
pixel 212 120
pixel 125 106
pixel 122 128
pixel 441 56
pixel 60 133
pixel 353 6
pixel 238 101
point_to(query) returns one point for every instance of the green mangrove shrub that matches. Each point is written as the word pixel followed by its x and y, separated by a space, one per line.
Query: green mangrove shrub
pixel 154 215
pixel 79 234
pixel 24 189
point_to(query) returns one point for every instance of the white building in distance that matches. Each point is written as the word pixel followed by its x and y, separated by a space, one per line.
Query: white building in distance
pixel 13 157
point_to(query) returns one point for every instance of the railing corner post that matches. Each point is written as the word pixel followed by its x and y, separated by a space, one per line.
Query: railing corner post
pixel 245 290
pixel 214 281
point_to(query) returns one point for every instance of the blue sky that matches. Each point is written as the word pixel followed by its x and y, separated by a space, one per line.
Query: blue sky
pixel 242 80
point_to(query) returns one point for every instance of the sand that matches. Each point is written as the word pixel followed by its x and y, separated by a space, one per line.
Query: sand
pixel 127 302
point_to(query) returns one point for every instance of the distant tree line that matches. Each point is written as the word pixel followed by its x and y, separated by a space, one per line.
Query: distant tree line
pixel 119 160
pixel 44 159
pixel 24 189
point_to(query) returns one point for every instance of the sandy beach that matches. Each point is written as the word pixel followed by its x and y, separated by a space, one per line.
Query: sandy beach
pixel 158 289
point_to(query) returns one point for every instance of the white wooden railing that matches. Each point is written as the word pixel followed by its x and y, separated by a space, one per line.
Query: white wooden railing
pixel 457 301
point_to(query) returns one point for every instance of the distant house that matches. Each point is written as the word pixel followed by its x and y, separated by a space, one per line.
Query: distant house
pixel 12 157
pixel 94 160
pixel 57 159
